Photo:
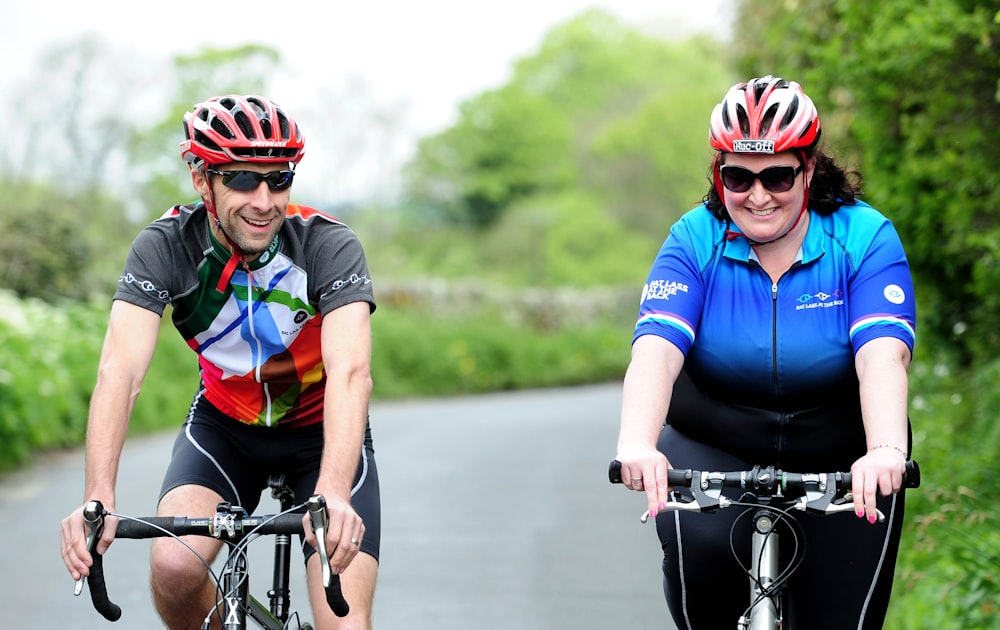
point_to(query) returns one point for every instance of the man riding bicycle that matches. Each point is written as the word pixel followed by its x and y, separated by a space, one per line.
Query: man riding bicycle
pixel 276 299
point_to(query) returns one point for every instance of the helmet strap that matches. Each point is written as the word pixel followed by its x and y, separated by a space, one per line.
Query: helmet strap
pixel 237 256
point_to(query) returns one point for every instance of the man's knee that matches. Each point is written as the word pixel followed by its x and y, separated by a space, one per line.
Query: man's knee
pixel 176 569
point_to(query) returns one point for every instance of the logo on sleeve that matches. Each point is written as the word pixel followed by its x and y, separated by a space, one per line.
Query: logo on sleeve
pixel 894 293
pixel 662 290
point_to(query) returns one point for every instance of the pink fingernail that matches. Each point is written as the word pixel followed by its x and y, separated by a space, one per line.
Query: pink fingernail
pixel 871 519
pixel 860 513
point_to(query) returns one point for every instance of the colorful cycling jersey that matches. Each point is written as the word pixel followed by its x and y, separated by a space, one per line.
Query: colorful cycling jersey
pixel 757 342
pixel 258 341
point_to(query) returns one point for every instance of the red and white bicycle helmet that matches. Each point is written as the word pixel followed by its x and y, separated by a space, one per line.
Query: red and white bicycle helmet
pixel 236 128
pixel 765 115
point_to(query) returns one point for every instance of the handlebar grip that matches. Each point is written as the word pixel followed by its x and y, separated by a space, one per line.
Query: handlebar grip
pixel 316 506
pixel 675 477
pixel 99 591
pixel 335 598
pixel 93 518
pixel 911 477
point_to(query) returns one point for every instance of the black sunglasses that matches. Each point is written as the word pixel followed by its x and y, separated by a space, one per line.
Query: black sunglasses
pixel 775 178
pixel 246 181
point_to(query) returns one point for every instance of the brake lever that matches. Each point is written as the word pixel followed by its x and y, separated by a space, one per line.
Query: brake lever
pixel 316 506
pixel 824 504
pixel 93 518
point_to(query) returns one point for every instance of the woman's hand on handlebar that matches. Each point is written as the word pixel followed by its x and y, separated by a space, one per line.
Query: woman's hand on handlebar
pixel 645 470
pixel 880 471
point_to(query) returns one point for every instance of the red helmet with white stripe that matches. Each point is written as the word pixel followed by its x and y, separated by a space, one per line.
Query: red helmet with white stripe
pixel 238 128
pixel 765 115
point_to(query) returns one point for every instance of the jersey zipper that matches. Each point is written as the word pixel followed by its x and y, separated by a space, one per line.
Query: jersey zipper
pixel 774 337
pixel 260 351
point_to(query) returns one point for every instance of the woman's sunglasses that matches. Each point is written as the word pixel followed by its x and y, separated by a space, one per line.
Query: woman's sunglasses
pixel 246 181
pixel 775 178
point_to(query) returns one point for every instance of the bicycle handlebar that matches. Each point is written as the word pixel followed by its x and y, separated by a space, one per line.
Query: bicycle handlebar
pixel 225 525
pixel 812 492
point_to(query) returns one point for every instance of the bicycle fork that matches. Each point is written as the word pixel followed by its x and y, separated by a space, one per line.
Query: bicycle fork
pixel 765 611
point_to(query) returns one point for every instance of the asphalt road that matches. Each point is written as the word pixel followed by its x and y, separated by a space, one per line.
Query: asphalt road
pixel 497 515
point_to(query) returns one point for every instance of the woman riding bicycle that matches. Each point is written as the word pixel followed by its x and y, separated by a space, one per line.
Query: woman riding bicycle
pixel 775 328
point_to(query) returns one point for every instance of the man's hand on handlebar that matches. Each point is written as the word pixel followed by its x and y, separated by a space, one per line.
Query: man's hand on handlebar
pixel 344 532
pixel 75 537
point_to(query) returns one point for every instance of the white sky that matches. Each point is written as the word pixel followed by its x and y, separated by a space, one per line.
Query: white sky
pixel 426 56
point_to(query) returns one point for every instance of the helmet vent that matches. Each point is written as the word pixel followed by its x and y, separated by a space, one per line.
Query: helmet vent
pixel 793 108
pixel 744 119
pixel 726 121
pixel 766 120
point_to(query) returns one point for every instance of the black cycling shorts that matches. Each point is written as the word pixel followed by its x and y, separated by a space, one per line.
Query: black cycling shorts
pixel 235 460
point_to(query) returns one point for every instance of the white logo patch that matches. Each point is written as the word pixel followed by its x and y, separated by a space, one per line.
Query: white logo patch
pixel 894 293
pixel 753 146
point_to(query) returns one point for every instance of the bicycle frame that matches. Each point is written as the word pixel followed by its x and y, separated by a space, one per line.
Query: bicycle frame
pixel 275 615
pixel 765 613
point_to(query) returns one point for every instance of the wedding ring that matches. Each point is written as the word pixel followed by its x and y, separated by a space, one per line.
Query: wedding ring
pixel 636 481
pixel 355 542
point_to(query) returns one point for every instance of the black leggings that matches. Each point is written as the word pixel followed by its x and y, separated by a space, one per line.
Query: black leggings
pixel 843 583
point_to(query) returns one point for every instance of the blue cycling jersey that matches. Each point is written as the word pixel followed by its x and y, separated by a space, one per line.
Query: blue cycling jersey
pixel 749 337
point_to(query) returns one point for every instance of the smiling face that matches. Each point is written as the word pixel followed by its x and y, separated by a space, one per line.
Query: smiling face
pixel 251 219
pixel 764 215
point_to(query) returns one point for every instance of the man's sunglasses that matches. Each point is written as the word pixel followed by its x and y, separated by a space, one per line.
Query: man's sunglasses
pixel 775 178
pixel 246 181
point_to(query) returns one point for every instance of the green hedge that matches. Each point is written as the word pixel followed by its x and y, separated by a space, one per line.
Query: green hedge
pixel 49 356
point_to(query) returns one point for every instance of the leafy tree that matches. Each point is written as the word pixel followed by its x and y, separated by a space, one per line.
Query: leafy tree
pixel 601 107
pixel 71 116
pixel 51 242
pixel 507 145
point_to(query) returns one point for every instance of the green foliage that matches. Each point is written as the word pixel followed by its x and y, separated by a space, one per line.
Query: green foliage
pixel 44 399
pixel 52 244
pixel 946 577
pixel 420 356
pixel 42 368
pixel 563 240
pixel 48 361
pixel 580 113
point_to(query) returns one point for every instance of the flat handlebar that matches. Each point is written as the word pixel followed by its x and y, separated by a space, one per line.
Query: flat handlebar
pixel 229 526
pixel 812 492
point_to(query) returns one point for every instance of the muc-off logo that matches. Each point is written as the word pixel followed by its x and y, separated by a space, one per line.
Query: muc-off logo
pixel 753 146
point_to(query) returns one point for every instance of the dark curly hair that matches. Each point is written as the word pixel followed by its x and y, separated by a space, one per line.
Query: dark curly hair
pixel 832 186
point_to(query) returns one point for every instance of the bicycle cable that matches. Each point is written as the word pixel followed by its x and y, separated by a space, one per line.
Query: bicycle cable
pixel 798 553
pixel 170 534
